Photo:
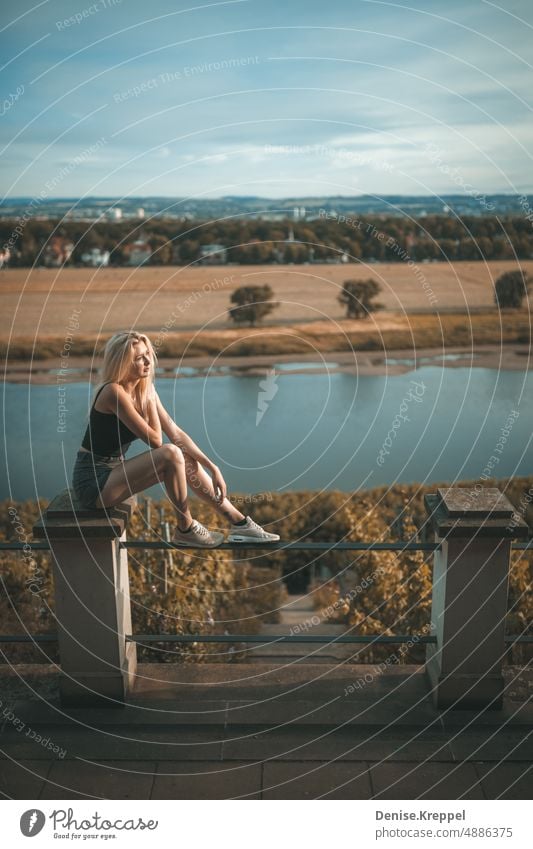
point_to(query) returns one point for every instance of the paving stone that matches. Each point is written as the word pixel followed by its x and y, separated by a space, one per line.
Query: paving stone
pixel 122 743
pixel 323 743
pixel 105 780
pixel 393 780
pixel 316 780
pixel 42 744
pixel 207 780
pixel 506 780
pixel 493 744
pixel 23 779
pixel 512 713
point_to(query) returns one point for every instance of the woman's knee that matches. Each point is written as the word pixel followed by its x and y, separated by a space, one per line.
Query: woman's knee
pixel 171 454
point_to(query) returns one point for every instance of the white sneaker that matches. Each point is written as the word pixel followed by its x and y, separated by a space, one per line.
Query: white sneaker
pixel 251 532
pixel 198 537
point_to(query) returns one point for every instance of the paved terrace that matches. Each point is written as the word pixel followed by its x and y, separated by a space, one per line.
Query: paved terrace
pixel 264 730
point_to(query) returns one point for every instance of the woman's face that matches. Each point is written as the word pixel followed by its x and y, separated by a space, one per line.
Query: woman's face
pixel 142 361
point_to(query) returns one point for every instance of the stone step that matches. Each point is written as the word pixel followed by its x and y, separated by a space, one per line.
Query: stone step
pixel 267 695
pixel 295 617
pixel 306 652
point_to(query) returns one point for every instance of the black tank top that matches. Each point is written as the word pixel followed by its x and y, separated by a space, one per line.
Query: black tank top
pixel 106 434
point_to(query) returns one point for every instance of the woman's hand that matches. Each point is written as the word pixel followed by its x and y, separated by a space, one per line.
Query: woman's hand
pixel 219 484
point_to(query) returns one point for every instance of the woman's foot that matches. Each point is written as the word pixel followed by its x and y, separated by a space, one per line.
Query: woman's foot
pixel 197 536
pixel 250 531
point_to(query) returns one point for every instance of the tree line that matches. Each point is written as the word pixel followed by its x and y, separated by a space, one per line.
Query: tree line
pixel 252 303
pixel 369 238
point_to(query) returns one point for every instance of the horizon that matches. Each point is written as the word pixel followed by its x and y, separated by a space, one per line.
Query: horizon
pixel 52 198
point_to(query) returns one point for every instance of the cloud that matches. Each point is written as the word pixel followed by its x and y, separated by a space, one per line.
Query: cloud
pixel 371 82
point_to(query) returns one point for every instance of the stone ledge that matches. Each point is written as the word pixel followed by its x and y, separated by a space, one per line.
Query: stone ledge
pixel 452 517
pixel 65 518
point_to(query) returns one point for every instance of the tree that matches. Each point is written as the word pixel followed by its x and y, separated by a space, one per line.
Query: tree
pixel 253 303
pixel 162 249
pixel 357 296
pixel 188 250
pixel 510 289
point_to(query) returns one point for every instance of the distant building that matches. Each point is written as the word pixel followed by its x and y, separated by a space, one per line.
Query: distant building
pixel 57 252
pixel 138 252
pixel 270 216
pixel 115 214
pixel 279 250
pixel 96 258
pixel 140 212
pixel 213 255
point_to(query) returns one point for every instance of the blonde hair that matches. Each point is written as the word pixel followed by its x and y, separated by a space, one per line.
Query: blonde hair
pixel 118 359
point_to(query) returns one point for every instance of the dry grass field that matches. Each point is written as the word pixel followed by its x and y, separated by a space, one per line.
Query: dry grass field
pixel 192 304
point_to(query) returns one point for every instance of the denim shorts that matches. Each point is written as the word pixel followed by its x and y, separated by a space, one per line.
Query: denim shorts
pixel 90 473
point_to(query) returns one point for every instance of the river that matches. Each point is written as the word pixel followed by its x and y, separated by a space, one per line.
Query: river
pixel 298 431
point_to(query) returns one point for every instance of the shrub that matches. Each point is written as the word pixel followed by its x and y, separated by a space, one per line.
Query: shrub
pixel 510 289
pixel 253 304
pixel 358 297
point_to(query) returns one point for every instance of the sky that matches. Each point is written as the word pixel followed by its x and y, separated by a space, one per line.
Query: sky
pixel 275 98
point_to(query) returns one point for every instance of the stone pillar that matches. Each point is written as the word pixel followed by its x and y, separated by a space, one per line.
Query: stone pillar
pixel 475 528
pixel 92 603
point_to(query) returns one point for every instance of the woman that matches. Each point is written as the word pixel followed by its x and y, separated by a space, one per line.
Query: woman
pixel 127 407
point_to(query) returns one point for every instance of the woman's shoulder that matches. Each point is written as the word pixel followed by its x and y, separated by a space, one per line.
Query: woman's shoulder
pixel 108 393
pixel 112 386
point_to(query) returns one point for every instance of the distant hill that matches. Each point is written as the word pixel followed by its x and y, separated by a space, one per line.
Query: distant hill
pixel 297 208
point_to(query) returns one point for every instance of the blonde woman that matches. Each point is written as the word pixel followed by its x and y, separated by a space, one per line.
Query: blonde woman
pixel 127 407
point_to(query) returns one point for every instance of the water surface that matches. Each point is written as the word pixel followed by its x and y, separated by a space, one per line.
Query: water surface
pixel 298 431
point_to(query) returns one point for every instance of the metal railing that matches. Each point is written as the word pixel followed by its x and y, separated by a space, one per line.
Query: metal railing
pixel 398 546
pixel 272 546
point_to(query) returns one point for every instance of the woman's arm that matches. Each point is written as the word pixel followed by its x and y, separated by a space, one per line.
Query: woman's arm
pixel 152 414
pixel 180 438
pixel 184 441
pixel 119 402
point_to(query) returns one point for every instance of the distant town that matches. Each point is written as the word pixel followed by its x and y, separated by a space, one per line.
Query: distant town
pixel 266 209
pixel 98 232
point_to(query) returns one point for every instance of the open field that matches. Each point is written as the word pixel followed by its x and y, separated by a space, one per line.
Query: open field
pixel 185 309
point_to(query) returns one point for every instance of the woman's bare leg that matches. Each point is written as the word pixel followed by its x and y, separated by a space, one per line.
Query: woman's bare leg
pixel 162 465
pixel 202 486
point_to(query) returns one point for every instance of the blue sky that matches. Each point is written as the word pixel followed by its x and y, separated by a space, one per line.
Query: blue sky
pixel 263 97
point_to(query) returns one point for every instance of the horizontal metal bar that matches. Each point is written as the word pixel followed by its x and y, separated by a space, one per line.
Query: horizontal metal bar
pixel 293 546
pixel 290 546
pixel 248 638
pixel 518 639
pixel 279 638
pixel 289 638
